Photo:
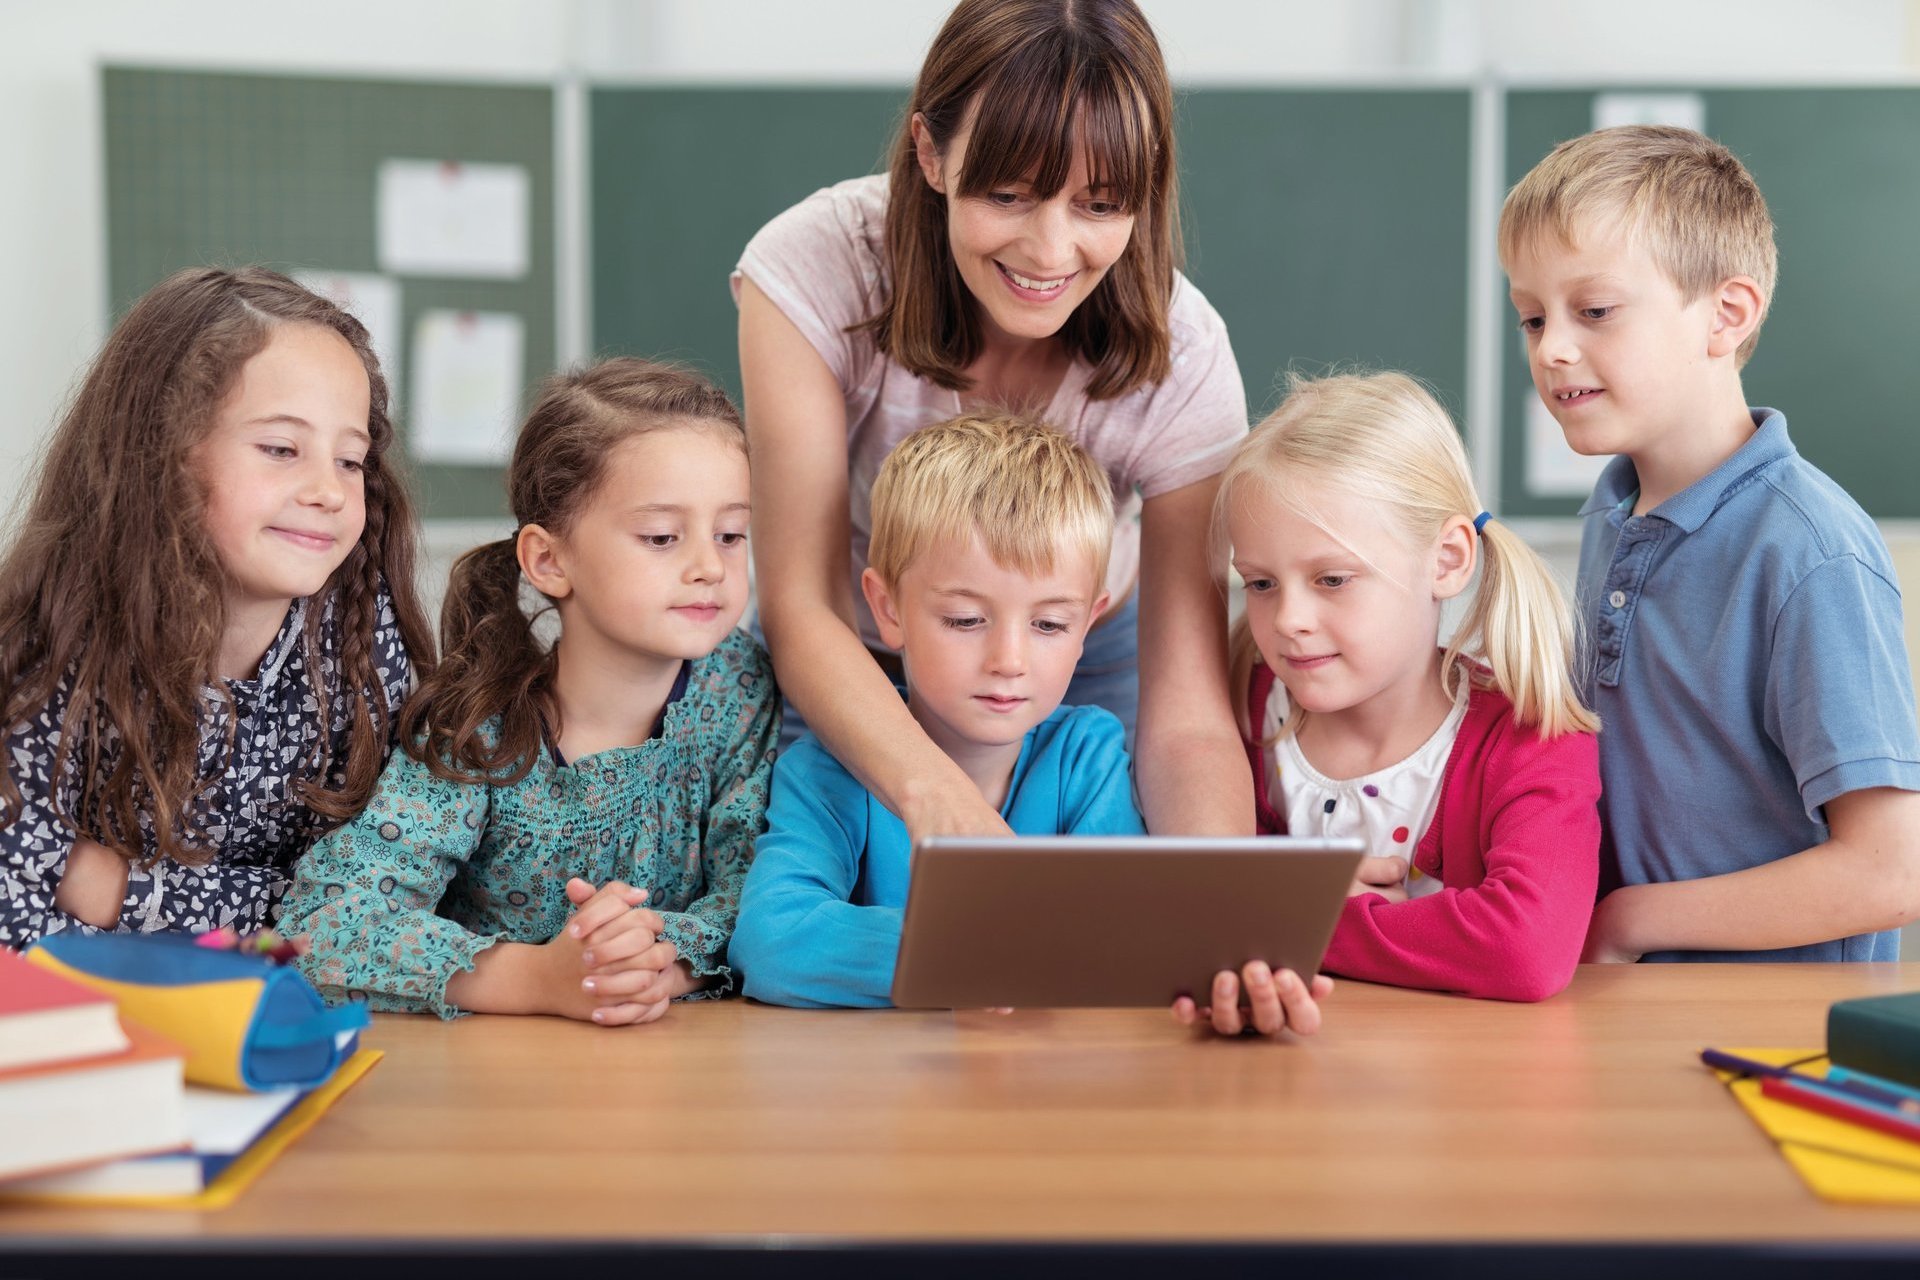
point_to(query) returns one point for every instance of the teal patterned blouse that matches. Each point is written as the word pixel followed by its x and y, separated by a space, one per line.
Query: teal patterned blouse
pixel 434 872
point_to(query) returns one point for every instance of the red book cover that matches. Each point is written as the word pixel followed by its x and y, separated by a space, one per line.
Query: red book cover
pixel 44 1018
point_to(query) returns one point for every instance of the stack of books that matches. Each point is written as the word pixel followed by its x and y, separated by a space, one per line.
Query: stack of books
pixel 77 1087
pixel 94 1108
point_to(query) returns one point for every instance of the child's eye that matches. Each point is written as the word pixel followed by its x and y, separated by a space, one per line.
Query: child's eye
pixel 277 450
pixel 1048 627
pixel 1532 324
pixel 1259 586
pixel 659 540
pixel 967 623
pixel 730 539
pixel 353 464
pixel 1595 313
pixel 1334 581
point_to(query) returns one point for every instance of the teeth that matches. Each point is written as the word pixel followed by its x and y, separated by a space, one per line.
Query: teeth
pixel 1569 395
pixel 1027 282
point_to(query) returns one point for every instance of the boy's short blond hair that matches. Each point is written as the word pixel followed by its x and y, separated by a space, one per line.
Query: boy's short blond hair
pixel 1683 195
pixel 1025 488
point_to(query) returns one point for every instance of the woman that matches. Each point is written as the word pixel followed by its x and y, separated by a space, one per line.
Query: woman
pixel 1020 251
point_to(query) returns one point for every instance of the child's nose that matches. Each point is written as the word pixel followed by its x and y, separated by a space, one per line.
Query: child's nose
pixel 325 486
pixel 1557 345
pixel 1292 612
pixel 1008 654
pixel 705 564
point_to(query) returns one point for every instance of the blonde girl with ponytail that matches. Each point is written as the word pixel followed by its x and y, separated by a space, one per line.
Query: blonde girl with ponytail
pixel 1467 764
pixel 569 825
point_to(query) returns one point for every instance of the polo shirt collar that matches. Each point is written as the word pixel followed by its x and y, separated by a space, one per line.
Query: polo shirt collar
pixel 1689 508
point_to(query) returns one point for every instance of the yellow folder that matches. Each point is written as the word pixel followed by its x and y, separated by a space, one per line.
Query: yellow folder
pixel 1838 1161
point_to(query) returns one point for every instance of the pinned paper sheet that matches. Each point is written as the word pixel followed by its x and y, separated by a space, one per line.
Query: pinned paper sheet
pixel 1686 110
pixel 444 218
pixel 466 386
pixel 1553 468
pixel 375 302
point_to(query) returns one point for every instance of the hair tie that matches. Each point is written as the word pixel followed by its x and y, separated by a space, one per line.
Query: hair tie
pixel 1480 521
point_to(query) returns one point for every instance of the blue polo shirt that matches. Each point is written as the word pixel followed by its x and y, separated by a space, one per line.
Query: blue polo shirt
pixel 1744 650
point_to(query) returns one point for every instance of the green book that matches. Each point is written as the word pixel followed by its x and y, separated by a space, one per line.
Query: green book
pixel 1878 1035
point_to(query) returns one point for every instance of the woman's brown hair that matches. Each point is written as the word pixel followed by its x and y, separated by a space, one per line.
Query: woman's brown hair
pixel 1037 79
pixel 112 587
pixel 494 665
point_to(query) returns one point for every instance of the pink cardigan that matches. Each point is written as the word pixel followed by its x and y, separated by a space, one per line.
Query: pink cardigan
pixel 1515 842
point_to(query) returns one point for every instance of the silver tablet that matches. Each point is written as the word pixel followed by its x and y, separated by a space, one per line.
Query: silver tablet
pixel 1065 921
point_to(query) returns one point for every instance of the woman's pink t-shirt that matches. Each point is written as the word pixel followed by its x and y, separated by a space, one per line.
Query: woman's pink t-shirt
pixel 823 263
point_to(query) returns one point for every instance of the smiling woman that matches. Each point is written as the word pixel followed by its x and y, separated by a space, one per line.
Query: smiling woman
pixel 1020 252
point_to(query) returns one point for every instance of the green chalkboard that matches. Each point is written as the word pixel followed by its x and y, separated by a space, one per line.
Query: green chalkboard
pixel 233 169
pixel 683 177
pixel 1328 227
pixel 1839 171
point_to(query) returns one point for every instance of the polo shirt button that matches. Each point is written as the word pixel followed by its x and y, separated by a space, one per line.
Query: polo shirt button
pixel 1618 599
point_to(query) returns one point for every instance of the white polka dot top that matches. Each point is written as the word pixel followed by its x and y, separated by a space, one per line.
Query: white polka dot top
pixel 1390 808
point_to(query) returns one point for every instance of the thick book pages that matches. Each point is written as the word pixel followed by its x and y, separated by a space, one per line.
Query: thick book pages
pixel 79 1113
pixel 1878 1036
pixel 232 1147
pixel 44 1018
pixel 222 1124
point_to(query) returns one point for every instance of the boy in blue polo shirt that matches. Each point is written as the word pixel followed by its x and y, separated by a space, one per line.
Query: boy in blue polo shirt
pixel 1758 749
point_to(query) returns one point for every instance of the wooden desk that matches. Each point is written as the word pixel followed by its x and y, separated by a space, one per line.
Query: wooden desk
pixel 1412 1118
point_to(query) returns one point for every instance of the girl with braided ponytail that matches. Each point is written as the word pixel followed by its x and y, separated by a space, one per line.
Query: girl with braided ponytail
pixel 207 614
pixel 568 828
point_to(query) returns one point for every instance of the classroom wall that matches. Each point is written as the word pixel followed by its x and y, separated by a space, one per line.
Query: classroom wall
pixel 51 233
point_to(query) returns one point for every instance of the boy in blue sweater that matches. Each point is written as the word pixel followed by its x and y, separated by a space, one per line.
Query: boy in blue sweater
pixel 989 551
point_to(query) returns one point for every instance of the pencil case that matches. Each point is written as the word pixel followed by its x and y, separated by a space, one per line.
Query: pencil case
pixel 246 1022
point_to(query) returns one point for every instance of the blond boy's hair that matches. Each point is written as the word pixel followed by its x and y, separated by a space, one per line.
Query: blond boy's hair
pixel 1687 198
pixel 1027 490
pixel 1384 439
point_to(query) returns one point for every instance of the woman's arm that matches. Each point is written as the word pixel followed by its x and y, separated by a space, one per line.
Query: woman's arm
pixel 796 419
pixel 1190 764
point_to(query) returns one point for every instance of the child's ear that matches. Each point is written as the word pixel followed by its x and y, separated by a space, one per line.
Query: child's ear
pixel 926 153
pixel 1738 308
pixel 1454 557
pixel 539 555
pixel 1099 609
pixel 886 614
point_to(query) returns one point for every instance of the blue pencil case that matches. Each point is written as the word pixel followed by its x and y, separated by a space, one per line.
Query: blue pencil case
pixel 246 1022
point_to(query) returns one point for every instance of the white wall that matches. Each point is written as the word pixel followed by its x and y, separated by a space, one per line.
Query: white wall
pixel 51 223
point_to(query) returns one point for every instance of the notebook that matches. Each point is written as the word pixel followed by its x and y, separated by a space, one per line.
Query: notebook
pixel 1841 1162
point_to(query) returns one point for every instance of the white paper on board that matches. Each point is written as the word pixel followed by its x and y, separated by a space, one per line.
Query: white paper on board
pixel 445 218
pixel 1554 470
pixel 374 301
pixel 1685 110
pixel 466 386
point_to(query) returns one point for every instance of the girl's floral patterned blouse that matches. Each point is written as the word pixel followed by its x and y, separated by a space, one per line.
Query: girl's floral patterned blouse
pixel 252 817
pixel 434 872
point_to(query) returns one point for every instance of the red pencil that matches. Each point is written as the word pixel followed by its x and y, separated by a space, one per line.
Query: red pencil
pixel 1828 1103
